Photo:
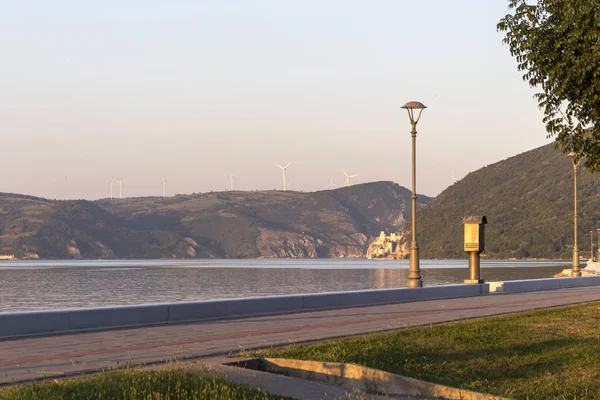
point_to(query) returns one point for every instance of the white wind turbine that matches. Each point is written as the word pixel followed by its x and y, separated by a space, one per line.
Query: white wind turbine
pixel 231 177
pixel 111 189
pixel 331 184
pixel 164 187
pixel 347 183
pixel 284 169
pixel 120 186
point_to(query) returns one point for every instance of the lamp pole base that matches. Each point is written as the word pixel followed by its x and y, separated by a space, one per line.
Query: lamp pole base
pixel 414 283
pixel 413 280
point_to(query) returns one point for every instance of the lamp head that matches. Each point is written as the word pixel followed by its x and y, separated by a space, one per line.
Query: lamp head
pixel 410 107
pixel 415 105
pixel 576 158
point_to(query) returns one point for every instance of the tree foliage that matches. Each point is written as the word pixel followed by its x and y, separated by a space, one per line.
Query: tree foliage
pixel 556 45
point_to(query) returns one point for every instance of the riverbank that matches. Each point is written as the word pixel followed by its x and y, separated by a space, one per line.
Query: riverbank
pixel 71 354
pixel 539 354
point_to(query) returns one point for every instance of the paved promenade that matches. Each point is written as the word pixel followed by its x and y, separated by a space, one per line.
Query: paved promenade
pixel 68 354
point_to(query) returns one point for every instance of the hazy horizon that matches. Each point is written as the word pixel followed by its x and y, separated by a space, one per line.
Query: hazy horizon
pixel 226 189
pixel 195 90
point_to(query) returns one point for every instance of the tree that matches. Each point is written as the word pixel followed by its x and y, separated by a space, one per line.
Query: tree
pixel 557 45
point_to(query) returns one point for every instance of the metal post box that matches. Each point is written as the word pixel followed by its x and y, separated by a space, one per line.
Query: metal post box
pixel 474 244
pixel 474 233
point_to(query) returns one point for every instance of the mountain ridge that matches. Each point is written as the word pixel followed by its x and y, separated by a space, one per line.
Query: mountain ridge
pixel 234 224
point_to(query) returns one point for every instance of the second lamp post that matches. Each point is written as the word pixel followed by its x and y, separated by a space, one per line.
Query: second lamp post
pixel 414 273
pixel 575 271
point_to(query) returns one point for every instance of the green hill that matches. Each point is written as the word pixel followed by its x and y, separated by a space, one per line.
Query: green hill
pixel 332 223
pixel 528 201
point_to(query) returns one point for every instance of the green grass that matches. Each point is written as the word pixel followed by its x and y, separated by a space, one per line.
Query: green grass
pixel 136 384
pixel 547 354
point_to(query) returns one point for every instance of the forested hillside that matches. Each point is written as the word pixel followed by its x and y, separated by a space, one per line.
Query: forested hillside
pixel 528 201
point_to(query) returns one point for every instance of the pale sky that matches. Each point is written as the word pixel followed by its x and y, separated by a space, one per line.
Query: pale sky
pixel 191 90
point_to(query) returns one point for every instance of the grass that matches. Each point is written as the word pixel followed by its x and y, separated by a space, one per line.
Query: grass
pixel 137 384
pixel 547 354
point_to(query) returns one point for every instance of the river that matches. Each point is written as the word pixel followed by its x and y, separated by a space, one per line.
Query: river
pixel 41 284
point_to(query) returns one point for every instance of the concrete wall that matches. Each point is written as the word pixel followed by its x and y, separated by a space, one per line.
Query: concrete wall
pixel 532 285
pixel 54 321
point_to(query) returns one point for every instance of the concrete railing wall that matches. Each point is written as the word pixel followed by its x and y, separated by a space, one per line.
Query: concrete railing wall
pixel 56 321
pixel 531 285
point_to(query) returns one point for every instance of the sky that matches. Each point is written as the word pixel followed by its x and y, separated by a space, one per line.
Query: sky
pixel 193 90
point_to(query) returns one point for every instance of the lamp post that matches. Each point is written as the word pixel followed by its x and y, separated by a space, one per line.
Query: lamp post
pixel 592 246
pixel 598 252
pixel 414 273
pixel 575 271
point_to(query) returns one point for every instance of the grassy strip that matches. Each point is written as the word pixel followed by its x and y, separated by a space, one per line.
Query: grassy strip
pixel 547 354
pixel 134 384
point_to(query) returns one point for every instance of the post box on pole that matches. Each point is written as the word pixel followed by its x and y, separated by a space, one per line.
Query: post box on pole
pixel 474 245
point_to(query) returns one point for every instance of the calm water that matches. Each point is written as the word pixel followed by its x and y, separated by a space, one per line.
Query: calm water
pixel 37 285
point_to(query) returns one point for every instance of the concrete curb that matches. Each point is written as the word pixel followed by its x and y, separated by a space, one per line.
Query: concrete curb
pixel 58 321
pixel 287 387
pixel 358 377
pixel 532 285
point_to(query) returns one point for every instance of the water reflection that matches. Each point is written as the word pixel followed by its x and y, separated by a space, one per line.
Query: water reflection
pixel 54 285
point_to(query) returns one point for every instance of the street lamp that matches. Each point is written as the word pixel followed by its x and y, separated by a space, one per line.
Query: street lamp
pixel 575 271
pixel 414 273
pixel 591 246
pixel 598 252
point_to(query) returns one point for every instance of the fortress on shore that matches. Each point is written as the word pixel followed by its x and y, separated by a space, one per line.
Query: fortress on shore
pixel 385 247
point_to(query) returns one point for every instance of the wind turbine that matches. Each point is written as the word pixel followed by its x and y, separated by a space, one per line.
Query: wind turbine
pixel 454 176
pixel 164 186
pixel 284 169
pixel 120 187
pixel 231 176
pixel 331 184
pixel 111 189
pixel 347 183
